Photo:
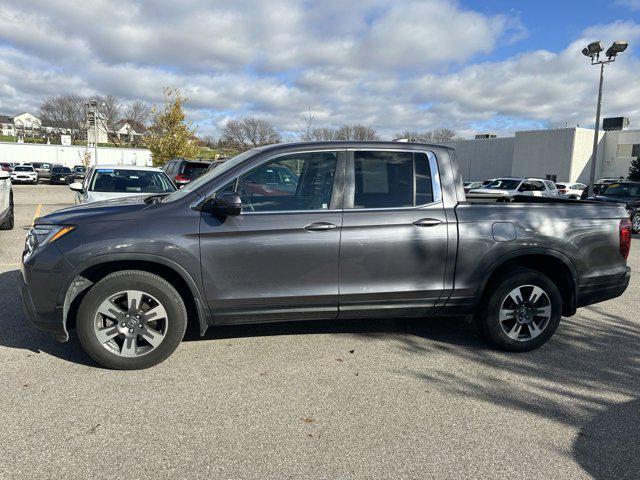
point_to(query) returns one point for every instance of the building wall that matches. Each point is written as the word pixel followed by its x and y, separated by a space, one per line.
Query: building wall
pixel 539 153
pixel 617 152
pixel 72 155
pixel 484 158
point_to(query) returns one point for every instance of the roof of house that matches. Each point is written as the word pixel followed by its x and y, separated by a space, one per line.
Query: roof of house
pixel 136 126
pixel 6 119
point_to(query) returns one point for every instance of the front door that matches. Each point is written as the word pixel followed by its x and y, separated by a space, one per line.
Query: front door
pixel 278 259
pixel 394 235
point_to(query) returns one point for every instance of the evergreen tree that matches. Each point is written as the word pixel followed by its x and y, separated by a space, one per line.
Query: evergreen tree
pixel 634 169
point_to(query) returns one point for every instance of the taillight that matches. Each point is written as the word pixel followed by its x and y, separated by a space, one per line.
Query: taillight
pixel 182 179
pixel 562 191
pixel 625 237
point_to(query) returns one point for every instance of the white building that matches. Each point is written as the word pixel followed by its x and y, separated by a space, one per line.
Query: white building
pixel 561 154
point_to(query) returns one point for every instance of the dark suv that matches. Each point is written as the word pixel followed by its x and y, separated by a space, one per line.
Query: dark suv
pixel 61 176
pixel 182 171
pixel 334 230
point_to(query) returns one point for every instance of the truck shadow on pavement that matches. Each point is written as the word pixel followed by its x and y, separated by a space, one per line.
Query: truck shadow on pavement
pixel 17 332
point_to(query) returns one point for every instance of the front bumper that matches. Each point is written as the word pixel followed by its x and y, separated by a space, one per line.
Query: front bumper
pixel 49 322
pixel 600 292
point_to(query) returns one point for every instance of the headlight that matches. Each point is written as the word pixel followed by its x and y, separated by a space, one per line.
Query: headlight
pixel 42 234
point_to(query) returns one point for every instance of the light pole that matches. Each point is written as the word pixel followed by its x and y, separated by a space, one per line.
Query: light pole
pixel 93 108
pixel 593 52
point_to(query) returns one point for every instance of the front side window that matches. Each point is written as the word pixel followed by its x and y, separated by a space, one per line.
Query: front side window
pixel 391 179
pixel 301 181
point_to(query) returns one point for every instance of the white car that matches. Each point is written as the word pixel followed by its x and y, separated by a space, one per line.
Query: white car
pixel 511 186
pixel 24 174
pixel 570 190
pixel 6 201
pixel 106 182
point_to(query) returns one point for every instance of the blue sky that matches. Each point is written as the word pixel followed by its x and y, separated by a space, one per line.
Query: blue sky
pixel 396 65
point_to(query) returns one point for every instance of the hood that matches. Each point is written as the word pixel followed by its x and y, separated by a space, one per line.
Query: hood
pixel 108 210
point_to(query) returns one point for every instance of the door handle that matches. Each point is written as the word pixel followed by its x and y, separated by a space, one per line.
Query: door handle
pixel 427 222
pixel 320 227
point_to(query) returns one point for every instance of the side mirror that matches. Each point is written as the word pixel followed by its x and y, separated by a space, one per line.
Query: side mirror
pixel 227 204
pixel 4 175
pixel 77 187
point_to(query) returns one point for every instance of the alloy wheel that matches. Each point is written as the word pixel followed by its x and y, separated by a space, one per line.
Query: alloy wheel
pixel 130 323
pixel 525 313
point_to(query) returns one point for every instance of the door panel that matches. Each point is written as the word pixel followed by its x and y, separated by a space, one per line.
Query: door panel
pixel 278 260
pixel 392 260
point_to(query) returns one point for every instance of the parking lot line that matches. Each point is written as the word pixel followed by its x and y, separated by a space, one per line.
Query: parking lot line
pixel 37 213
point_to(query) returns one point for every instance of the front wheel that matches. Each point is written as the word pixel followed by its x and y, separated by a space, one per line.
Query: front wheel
pixel 521 312
pixel 131 320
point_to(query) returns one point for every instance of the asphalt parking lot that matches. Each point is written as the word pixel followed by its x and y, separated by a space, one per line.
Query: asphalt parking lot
pixel 327 400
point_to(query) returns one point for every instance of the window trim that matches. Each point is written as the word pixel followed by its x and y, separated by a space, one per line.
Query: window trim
pixel 350 177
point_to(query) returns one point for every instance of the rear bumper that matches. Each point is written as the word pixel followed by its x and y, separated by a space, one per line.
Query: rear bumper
pixel 599 292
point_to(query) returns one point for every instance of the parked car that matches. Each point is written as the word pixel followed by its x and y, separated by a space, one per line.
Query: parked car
pixel 626 193
pixel 24 174
pixel 182 171
pixel 570 190
pixel 6 201
pixel 511 186
pixel 61 176
pixel 79 172
pixel 371 229
pixel 598 186
pixel 471 185
pixel 43 170
pixel 6 167
pixel 106 182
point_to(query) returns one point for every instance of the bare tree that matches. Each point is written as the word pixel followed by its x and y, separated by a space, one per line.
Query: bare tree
pixel 248 133
pixel 305 131
pixel 138 112
pixel 323 134
pixel 437 135
pixel 356 132
pixel 64 114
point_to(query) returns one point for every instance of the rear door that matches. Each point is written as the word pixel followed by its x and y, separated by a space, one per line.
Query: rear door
pixel 278 259
pixel 393 247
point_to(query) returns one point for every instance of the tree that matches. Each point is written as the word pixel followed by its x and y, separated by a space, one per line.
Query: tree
pixel 65 114
pixel 437 135
pixel 356 132
pixel 137 112
pixel 323 134
pixel 249 132
pixel 634 170
pixel 305 131
pixel 170 136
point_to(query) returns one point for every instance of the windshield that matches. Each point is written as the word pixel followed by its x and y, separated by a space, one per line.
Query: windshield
pixel 621 190
pixel 60 170
pixel 130 181
pixel 79 169
pixel 23 169
pixel 210 175
pixel 504 184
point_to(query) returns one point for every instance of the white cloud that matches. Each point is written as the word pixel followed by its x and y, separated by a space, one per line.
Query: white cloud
pixel 395 65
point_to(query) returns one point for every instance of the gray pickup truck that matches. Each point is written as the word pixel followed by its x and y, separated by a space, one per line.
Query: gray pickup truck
pixel 335 230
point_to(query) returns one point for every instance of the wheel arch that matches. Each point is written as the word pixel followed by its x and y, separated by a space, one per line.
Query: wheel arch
pixel 92 270
pixel 555 265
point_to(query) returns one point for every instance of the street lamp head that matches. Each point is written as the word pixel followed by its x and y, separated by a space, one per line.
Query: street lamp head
pixel 594 48
pixel 617 47
pixel 586 52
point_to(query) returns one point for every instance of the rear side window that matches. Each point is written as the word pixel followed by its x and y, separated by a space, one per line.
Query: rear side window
pixel 391 179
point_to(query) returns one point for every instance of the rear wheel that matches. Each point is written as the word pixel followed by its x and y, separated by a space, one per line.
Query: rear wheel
pixel 522 311
pixel 131 320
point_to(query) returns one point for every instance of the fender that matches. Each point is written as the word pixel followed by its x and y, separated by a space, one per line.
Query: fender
pixel 76 283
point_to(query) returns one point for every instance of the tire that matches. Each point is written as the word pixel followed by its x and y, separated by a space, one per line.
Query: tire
pixel 9 221
pixel 168 331
pixel 635 223
pixel 534 330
